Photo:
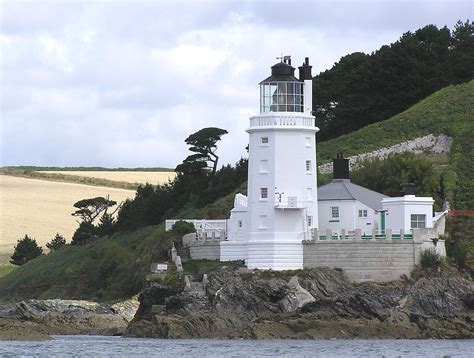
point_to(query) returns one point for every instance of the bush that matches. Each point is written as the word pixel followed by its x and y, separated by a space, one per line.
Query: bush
pixel 182 227
pixel 430 259
pixel 84 233
pixel 26 249
pixel 56 243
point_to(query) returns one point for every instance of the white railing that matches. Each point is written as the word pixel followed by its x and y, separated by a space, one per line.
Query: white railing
pixel 282 120
pixel 290 202
pixel 204 228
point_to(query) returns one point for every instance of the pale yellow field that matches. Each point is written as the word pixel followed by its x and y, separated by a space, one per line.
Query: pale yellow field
pixel 42 208
pixel 129 177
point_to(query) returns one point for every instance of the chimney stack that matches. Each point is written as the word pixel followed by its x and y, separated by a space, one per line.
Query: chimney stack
pixel 340 167
pixel 410 187
pixel 305 70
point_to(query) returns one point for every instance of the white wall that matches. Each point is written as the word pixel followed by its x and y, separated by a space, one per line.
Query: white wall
pixel 348 216
pixel 400 209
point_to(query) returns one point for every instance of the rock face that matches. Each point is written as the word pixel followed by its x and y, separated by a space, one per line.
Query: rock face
pixel 315 303
pixel 36 319
pixel 437 145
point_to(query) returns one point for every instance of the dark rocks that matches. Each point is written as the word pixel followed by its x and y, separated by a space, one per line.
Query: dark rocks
pixel 45 317
pixel 316 303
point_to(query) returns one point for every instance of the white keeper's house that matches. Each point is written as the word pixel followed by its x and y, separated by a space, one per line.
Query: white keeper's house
pixel 286 222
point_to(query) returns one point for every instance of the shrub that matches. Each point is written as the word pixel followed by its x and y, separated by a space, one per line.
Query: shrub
pixel 26 249
pixel 56 243
pixel 84 233
pixel 182 227
pixel 430 259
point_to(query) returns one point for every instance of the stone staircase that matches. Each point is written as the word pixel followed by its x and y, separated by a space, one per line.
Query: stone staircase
pixel 184 253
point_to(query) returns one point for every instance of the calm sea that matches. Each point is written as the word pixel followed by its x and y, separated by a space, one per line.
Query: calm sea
pixel 99 346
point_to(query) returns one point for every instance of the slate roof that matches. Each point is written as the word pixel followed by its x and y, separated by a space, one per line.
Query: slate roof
pixel 343 189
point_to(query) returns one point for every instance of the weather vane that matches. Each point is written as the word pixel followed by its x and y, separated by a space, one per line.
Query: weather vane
pixel 284 58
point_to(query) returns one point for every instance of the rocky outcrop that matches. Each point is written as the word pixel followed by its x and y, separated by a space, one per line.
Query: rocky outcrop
pixel 435 144
pixel 315 303
pixel 36 319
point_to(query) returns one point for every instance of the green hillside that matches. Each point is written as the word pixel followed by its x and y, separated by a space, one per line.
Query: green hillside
pixel 449 111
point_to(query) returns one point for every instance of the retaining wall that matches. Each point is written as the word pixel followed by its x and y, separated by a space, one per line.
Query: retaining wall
pixel 209 250
pixel 364 260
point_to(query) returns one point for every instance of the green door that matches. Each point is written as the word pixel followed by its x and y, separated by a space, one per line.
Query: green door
pixel 382 222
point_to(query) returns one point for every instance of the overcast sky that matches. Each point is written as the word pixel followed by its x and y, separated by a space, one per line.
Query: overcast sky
pixel 124 83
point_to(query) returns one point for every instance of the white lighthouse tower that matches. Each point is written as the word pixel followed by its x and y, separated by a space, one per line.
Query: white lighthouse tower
pixel 267 228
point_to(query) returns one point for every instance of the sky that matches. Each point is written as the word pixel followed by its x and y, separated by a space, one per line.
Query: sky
pixel 123 83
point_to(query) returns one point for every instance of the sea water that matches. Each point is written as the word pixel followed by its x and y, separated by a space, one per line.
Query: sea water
pixel 100 346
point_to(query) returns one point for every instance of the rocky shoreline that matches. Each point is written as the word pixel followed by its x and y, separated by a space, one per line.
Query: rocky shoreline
pixel 38 319
pixel 238 303
pixel 316 303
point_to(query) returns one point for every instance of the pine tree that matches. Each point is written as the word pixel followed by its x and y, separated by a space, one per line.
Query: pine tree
pixel 26 249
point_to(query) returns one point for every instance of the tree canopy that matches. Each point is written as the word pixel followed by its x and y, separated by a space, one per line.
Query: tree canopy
pixel 90 209
pixel 204 144
pixel 389 176
pixel 26 249
pixel 361 89
pixel 56 243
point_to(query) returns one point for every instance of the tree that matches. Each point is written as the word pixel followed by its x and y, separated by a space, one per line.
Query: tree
pixel 26 249
pixel 362 89
pixel 204 144
pixel 90 209
pixel 84 233
pixel 56 243
pixel 389 175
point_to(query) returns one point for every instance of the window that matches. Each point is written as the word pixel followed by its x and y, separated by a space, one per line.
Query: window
pixel 263 193
pixel 264 140
pixel 264 166
pixel 310 221
pixel 281 97
pixel 308 166
pixel 418 221
pixel 335 212
pixel 308 142
pixel 309 194
pixel 362 213
pixel 262 224
pixel 239 224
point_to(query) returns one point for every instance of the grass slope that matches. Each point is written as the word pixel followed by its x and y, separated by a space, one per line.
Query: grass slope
pixel 447 111
pixel 110 268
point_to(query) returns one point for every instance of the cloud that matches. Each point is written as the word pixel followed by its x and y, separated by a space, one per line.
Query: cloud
pixel 124 83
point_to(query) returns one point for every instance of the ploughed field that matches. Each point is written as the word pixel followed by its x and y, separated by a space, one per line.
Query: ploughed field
pixel 43 208
pixel 140 177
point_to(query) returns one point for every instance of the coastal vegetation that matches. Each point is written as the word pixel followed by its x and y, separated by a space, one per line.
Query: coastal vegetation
pixel 26 249
pixel 362 89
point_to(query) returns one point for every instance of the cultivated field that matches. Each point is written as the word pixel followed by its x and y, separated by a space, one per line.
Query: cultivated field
pixel 42 208
pixel 129 177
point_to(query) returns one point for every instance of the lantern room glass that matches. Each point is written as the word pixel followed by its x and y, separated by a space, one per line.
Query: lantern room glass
pixel 281 97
